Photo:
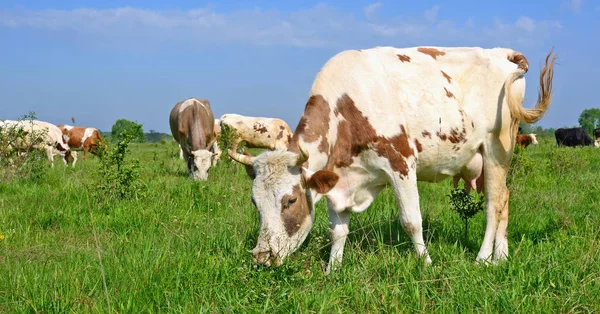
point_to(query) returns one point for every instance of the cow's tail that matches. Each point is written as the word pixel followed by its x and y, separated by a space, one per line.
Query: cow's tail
pixel 515 101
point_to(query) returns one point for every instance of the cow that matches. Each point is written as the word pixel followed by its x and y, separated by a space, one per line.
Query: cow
pixel 81 138
pixel 215 148
pixel 40 135
pixel 192 126
pixel 258 132
pixel 391 117
pixel 597 133
pixel 526 139
pixel 572 137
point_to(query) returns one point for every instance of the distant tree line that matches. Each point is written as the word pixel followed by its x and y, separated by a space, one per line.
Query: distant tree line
pixel 136 130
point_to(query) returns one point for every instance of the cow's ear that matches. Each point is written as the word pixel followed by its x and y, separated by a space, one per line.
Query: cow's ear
pixel 321 181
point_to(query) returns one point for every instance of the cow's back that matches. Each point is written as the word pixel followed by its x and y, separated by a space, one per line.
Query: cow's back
pixel 192 122
pixel 418 102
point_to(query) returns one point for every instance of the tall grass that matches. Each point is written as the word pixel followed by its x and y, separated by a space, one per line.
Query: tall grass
pixel 184 246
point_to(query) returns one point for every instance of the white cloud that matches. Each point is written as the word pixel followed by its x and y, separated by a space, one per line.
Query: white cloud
pixel 369 11
pixel 320 26
pixel 525 23
pixel 573 5
pixel 431 14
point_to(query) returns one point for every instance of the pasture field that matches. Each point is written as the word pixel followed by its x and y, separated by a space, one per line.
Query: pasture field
pixel 183 247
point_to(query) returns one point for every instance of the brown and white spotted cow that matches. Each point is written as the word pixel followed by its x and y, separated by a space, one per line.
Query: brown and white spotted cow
pixel 192 126
pixel 80 138
pixel 395 116
pixel 526 139
pixel 258 132
pixel 47 136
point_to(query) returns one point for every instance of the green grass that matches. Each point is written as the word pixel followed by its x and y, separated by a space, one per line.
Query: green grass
pixel 184 247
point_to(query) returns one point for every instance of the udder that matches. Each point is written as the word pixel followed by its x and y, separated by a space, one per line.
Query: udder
pixel 472 174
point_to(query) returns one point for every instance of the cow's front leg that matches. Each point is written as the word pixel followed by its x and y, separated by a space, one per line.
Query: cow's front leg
pixel 407 197
pixel 339 224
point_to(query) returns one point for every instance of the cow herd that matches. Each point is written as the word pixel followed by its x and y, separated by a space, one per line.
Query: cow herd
pixel 63 140
pixel 374 118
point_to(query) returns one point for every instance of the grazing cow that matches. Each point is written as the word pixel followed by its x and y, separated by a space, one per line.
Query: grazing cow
pixel 572 137
pixel 80 138
pixel 597 133
pixel 269 133
pixel 52 142
pixel 388 116
pixel 192 126
pixel 215 148
pixel 526 139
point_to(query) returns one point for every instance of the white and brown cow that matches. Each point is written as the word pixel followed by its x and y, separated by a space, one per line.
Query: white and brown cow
pixel 81 138
pixel 192 126
pixel 215 148
pixel 526 139
pixel 258 132
pixel 40 135
pixel 395 116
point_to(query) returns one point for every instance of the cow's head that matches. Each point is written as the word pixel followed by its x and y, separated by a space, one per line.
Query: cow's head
pixel 533 139
pixel 597 143
pixel 283 191
pixel 198 164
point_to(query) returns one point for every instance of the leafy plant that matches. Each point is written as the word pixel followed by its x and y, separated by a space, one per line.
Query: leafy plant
pixel 226 139
pixel 20 154
pixel 120 176
pixel 466 205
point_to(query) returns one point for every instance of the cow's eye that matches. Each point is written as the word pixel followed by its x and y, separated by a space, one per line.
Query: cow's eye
pixel 292 200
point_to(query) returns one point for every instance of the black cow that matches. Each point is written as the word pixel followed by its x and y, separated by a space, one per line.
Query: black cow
pixel 572 137
pixel 597 133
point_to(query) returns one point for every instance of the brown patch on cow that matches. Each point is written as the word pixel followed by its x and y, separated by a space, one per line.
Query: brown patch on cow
pixel 75 136
pixel 426 134
pixel 432 52
pixel 280 135
pixel 442 136
pixel 472 124
pixel 313 125
pixel 323 181
pixel 456 148
pixel 520 60
pixel 258 127
pixel 449 94
pixel 268 136
pixel 281 127
pixel 418 146
pixel 356 134
pixel 404 58
pixel 447 77
pixel 294 210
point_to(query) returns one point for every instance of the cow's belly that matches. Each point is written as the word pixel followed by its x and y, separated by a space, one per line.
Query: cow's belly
pixel 434 165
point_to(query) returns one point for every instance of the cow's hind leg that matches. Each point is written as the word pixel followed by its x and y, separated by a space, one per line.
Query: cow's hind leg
pixel 496 207
pixel 407 196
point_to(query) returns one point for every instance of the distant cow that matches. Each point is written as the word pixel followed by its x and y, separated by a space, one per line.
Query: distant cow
pixel 215 148
pixel 572 137
pixel 52 142
pixel 192 126
pixel 526 139
pixel 597 133
pixel 80 138
pixel 258 132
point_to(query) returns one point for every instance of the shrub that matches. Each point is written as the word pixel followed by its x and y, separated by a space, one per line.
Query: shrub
pixel 20 154
pixel 466 205
pixel 119 175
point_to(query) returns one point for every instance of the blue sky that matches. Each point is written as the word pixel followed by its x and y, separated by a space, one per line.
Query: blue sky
pixel 99 61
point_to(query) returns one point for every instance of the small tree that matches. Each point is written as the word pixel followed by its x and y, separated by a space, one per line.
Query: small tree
pixel 134 129
pixel 466 206
pixel 590 119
